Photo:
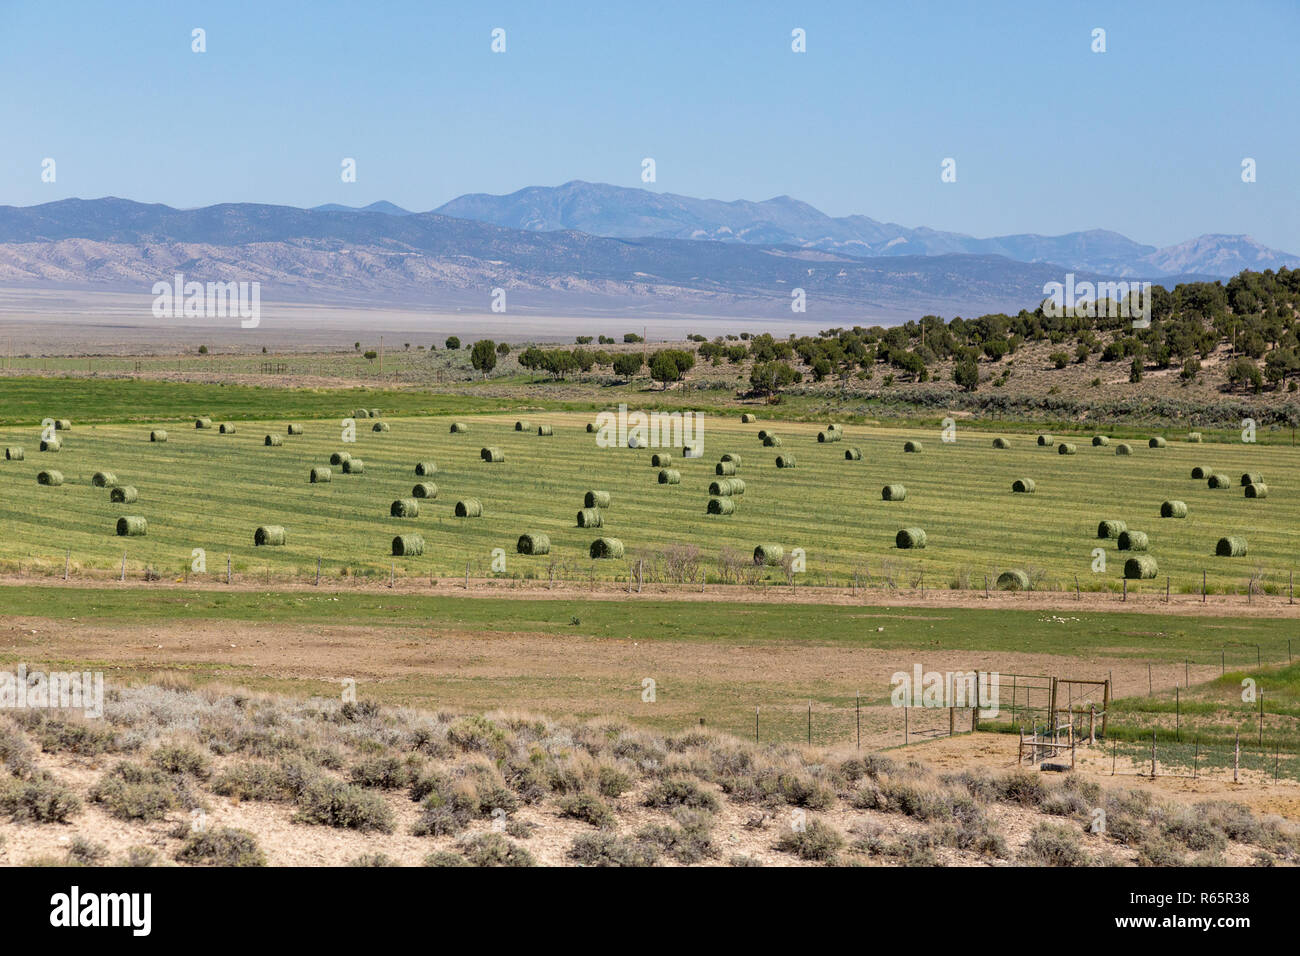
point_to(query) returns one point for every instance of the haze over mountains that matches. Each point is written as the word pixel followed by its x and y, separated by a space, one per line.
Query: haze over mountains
pixel 584 248
pixel 605 210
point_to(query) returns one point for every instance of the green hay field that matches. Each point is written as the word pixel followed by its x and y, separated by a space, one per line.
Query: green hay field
pixel 206 490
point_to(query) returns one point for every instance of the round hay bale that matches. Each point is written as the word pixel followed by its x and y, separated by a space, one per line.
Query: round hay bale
pixel 1046 441
pixel 123 495
pixel 534 542
pixel 1251 478
pixel 405 508
pixel 269 536
pixel 670 476
pixel 590 518
pixel 543 430
pixel 294 430
pixel 425 489
pixel 132 526
pixel 1157 442
pixel 1257 490
pixel 1217 480
pixel 661 460
pixel 321 476
pixel 733 458
pixel 1001 443
pixel 1194 437
pixel 1202 472
pixel 829 435
pixel 721 487
pixel 607 548
pixel 1100 440
pixel 912 447
pixel 226 428
pixel 49 477
pixel 523 426
pixel 424 469
pixel 62 425
pixel 103 479
pixel 1024 486
pixel 785 461
pixel 693 451
pixel 634 441
pixel 748 418
pixel 893 493
pixel 1111 528
pixel 354 466
pixel 1231 546
pixel 360 413
pixel 910 538
pixel 853 454
pixel 722 506
pixel 202 423
pixel 1140 567
pixel 14 453
pixel 380 427
pixel 459 428
pixel 1123 449
pixel 51 444
pixel 1173 509
pixel 591 427
pixel 1133 541
pixel 1066 448
pixel 408 545
pixel 772 441
pixel 374 413
pixel 469 508
pixel 769 555
pixel 492 454
pixel 273 441
pixel 762 434
pixel 158 435
pixel 596 499
pixel 725 468
pixel 340 458
pixel 1013 580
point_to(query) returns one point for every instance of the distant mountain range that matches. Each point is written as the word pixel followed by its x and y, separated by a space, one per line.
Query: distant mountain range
pixel 617 211
pixel 382 254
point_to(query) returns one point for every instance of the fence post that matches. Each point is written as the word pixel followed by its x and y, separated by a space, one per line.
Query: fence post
pixel 1202 585
pixel 1077 595
pixel 1236 759
pixel 1196 759
pixel 1178 713
pixel 857 705
pixel 227 569
pixel 810 723
pixel 318 571
pixel 1092 725
pixel 1153 755
pixel 952 721
pixel 123 565
pixel 1125 598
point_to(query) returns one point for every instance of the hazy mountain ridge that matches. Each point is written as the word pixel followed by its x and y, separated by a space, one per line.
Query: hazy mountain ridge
pixel 431 258
pixel 605 210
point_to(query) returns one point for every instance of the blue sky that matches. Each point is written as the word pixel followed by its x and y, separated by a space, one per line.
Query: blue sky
pixel 1049 137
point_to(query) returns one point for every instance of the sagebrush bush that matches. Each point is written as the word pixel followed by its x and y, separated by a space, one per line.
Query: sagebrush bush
pixel 814 841
pixel 343 805
pixel 602 848
pixel 221 846
pixel 39 799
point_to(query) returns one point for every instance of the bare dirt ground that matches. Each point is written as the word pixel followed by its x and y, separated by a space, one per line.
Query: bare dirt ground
pixel 546 673
pixel 1213 605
